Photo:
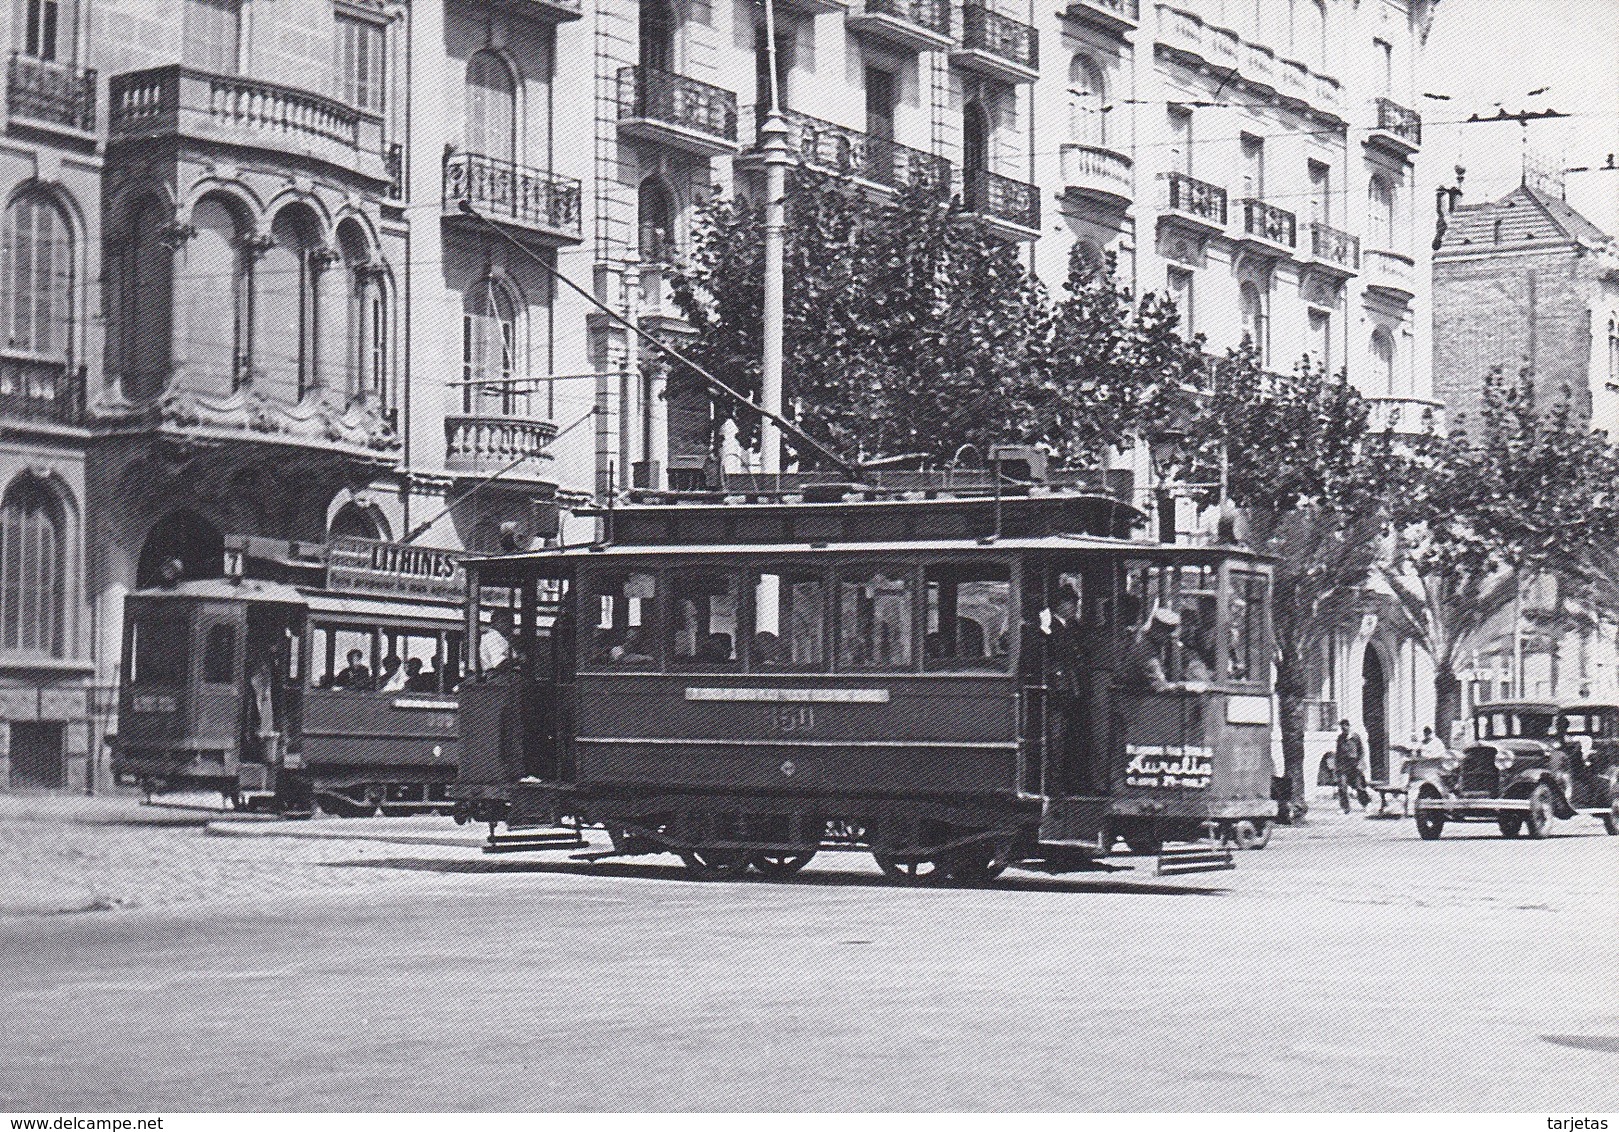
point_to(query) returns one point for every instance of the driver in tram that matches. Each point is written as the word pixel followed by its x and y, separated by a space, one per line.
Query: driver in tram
pixel 1143 669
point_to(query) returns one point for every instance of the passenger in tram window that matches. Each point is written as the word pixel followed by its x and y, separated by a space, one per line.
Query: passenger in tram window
pixel 766 650
pixel 418 679
pixel 1197 659
pixel 393 674
pixel 716 648
pixel 495 643
pixel 356 677
pixel 1144 669
pixel 629 652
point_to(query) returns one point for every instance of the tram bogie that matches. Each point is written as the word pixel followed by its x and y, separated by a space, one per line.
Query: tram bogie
pixel 955 685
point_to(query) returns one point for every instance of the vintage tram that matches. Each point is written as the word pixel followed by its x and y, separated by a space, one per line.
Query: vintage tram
pixel 939 677
pixel 312 674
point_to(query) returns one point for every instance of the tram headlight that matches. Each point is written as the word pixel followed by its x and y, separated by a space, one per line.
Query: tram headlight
pixel 1503 760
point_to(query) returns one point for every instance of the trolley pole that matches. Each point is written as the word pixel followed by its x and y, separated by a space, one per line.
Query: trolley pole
pixel 773 134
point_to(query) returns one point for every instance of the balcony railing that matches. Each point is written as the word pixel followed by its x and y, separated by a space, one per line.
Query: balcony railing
pixel 514 193
pixel 675 100
pixel 486 443
pixel 1198 199
pixel 1390 271
pixel 41 391
pixel 1114 12
pixel 1392 118
pixel 58 93
pixel 1090 170
pixel 850 153
pixel 245 112
pixel 1002 198
pixel 1405 416
pixel 1332 246
pixel 1269 223
pixel 934 15
pixel 1002 36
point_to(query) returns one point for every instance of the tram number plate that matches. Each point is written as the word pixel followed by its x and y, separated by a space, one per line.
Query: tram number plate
pixel 1154 767
pixel 791 719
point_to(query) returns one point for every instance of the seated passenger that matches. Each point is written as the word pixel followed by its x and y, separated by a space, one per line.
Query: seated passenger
pixel 969 638
pixel 418 679
pixel 629 651
pixel 934 646
pixel 766 650
pixel 1144 660
pixel 716 648
pixel 356 677
pixel 393 674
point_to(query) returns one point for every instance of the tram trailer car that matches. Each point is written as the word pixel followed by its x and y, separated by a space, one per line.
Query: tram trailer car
pixel 744 684
pixel 1529 762
pixel 236 685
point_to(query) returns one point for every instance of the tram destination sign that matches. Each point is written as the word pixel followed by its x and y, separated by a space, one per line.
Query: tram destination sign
pixel 367 566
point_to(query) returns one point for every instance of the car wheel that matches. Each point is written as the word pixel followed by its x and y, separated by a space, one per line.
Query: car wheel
pixel 1540 812
pixel 1430 823
pixel 1510 825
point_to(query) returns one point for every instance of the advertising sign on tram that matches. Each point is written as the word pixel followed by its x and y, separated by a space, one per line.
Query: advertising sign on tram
pixel 368 566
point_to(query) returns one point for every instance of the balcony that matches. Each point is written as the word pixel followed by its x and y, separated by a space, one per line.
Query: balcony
pixel 809 7
pixel 531 200
pixel 677 111
pixel 1193 204
pixel 1009 208
pixel 1205 47
pixel 997 46
pixel 1096 174
pixel 1333 252
pixel 1398 130
pixel 910 25
pixel 482 444
pixel 1112 16
pixel 1268 229
pixel 245 113
pixel 1407 416
pixel 41 392
pixel 52 96
pixel 844 152
pixel 552 11
pixel 1390 273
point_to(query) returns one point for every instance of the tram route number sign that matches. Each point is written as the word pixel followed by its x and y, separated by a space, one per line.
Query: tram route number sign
pixel 367 566
pixel 1160 767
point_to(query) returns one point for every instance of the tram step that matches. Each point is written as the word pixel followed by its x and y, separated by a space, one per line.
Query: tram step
pixel 1196 858
pixel 528 842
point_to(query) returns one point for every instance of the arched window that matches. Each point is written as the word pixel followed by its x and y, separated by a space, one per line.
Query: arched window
pixel 36 282
pixel 216 274
pixel 354 521
pixel 1255 320
pixel 491 107
pixel 1087 97
pixel 655 210
pixel 1383 377
pixel 143 265
pixel 366 351
pixel 1380 212
pixel 31 570
pixel 489 350
pixel 974 153
pixel 657 35
pixel 184 536
pixel 285 297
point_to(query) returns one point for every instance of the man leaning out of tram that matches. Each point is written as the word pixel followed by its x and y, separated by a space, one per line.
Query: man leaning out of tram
pixel 1143 667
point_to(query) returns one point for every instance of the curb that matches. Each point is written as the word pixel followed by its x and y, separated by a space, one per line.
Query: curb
pixel 321 832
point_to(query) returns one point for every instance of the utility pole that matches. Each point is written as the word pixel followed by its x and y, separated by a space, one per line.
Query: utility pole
pixel 776 160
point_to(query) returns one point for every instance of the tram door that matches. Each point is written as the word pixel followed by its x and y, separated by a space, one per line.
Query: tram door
pixel 216 686
pixel 272 715
pixel 1066 673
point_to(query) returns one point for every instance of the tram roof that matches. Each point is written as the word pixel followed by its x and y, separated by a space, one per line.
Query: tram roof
pixel 226 589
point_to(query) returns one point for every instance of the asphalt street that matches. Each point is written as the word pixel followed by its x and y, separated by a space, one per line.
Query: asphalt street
pixel 1349 966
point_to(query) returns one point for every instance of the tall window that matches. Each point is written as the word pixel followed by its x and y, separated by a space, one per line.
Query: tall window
pixel 217 304
pixel 213 35
pixel 1383 361
pixel 286 300
pixel 1253 167
pixel 489 349
pixel 1320 193
pixel 1380 212
pixel 366 360
pixel 491 107
pixel 1383 60
pixel 41 27
pixel 1180 293
pixel 1180 139
pixel 1321 339
pixel 1087 102
pixel 657 48
pixel 1255 320
pixel 974 151
pixel 359 63
pixel 144 267
pixel 31 565
pixel 37 284
pixel 881 93
pixel 655 211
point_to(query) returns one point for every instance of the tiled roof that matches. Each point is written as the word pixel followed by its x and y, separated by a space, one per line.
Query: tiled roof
pixel 1523 215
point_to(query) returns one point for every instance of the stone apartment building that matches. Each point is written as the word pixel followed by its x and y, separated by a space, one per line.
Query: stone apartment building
pixel 243 296
pixel 1526 282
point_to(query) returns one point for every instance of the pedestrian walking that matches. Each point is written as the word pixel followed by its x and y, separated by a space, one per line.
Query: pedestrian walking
pixel 1347 757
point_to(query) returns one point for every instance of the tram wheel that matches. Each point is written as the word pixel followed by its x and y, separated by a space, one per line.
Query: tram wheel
pixel 913 872
pixel 1245 835
pixel 778 865
pixel 976 864
pixel 715 864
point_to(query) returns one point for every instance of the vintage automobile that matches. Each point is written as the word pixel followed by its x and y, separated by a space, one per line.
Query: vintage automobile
pixel 1529 762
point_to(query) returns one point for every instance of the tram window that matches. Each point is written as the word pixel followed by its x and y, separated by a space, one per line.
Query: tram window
pixel 219 655
pixel 1249 657
pixel 789 623
pixel 968 614
pixel 876 619
pixel 703 628
pixel 344 657
pixel 410 661
pixel 157 652
pixel 617 615
pixel 1188 591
